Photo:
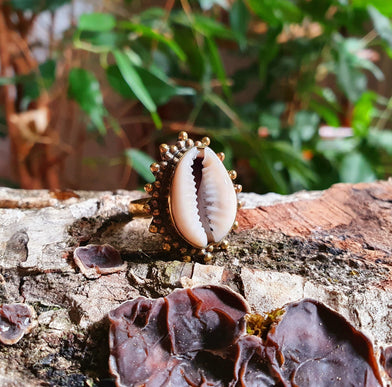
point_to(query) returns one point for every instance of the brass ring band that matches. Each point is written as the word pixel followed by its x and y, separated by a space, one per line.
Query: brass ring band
pixel 139 208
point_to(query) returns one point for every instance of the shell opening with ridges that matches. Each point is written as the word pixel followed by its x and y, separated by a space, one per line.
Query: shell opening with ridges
pixel 203 201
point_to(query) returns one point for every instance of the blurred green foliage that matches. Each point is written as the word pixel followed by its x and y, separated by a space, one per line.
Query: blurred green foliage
pixel 260 76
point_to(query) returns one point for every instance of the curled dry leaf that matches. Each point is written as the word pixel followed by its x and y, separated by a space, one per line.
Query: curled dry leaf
pixel 64 194
pixel 94 260
pixel 197 337
pixel 15 321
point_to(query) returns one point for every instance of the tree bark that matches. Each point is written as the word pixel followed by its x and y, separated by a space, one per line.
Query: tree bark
pixel 333 246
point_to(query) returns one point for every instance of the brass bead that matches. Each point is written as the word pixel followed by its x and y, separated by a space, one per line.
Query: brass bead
pixel 155 194
pixel 148 187
pixel 163 148
pixel 166 246
pixel 183 250
pixel 238 188
pixel 210 248
pixel 173 149
pixel 224 244
pixel 193 251
pixel 157 184
pixel 186 258
pixel 240 204
pixel 206 141
pixel 175 160
pixel 180 145
pixel 198 143
pixel 202 252
pixel 235 225
pixel 233 174
pixel 175 245
pixel 154 203
pixel 154 167
pixel 157 220
pixel 153 228
pixel 162 230
pixel 167 238
pixel 189 143
pixel 183 136
pixel 167 156
pixel 221 156
pixel 207 257
pixel 155 212
pixel 163 164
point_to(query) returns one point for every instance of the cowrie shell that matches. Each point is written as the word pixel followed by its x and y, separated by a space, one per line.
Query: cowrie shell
pixel 202 199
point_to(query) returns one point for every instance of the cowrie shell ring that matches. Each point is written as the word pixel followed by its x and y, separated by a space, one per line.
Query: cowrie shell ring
pixel 193 199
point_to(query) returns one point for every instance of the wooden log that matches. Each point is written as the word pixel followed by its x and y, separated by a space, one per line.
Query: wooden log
pixel 334 246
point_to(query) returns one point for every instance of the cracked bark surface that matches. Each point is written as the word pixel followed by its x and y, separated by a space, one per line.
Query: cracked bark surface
pixel 334 246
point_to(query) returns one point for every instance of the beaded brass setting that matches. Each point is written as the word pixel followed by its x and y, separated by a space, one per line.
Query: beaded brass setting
pixel 158 205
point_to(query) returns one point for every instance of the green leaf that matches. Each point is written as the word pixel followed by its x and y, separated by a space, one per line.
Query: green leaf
pixel 97 22
pixel 271 122
pixel 217 65
pixel 267 172
pixel 216 101
pixel 328 114
pixel 268 51
pixel 84 88
pixel 381 24
pixel 239 21
pixel 355 168
pixel 381 139
pixel 385 7
pixel 369 65
pixel 47 71
pixel 336 148
pixel 161 89
pixel 36 81
pixel 140 162
pixel 195 57
pixel 134 81
pixel 306 125
pixel 105 40
pixel 211 28
pixel 276 12
pixel 152 14
pixel 204 25
pixel 363 113
pixel 351 80
pixel 38 5
pixel 154 35
pixel 292 160
pixel 304 129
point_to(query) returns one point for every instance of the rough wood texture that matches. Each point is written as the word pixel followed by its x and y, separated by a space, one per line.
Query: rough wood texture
pixel 334 246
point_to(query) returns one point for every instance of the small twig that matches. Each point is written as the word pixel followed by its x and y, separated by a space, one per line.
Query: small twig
pixel 385 115
pixel 126 144
pixel 8 98
pixel 25 50
pixel 369 37
pixel 51 33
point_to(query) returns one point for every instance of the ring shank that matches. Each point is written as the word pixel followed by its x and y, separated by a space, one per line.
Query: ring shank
pixel 138 208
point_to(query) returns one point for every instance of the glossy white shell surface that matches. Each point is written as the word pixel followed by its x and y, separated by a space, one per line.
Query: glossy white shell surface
pixel 207 215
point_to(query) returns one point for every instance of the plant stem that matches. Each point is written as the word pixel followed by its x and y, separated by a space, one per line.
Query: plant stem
pixel 384 117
